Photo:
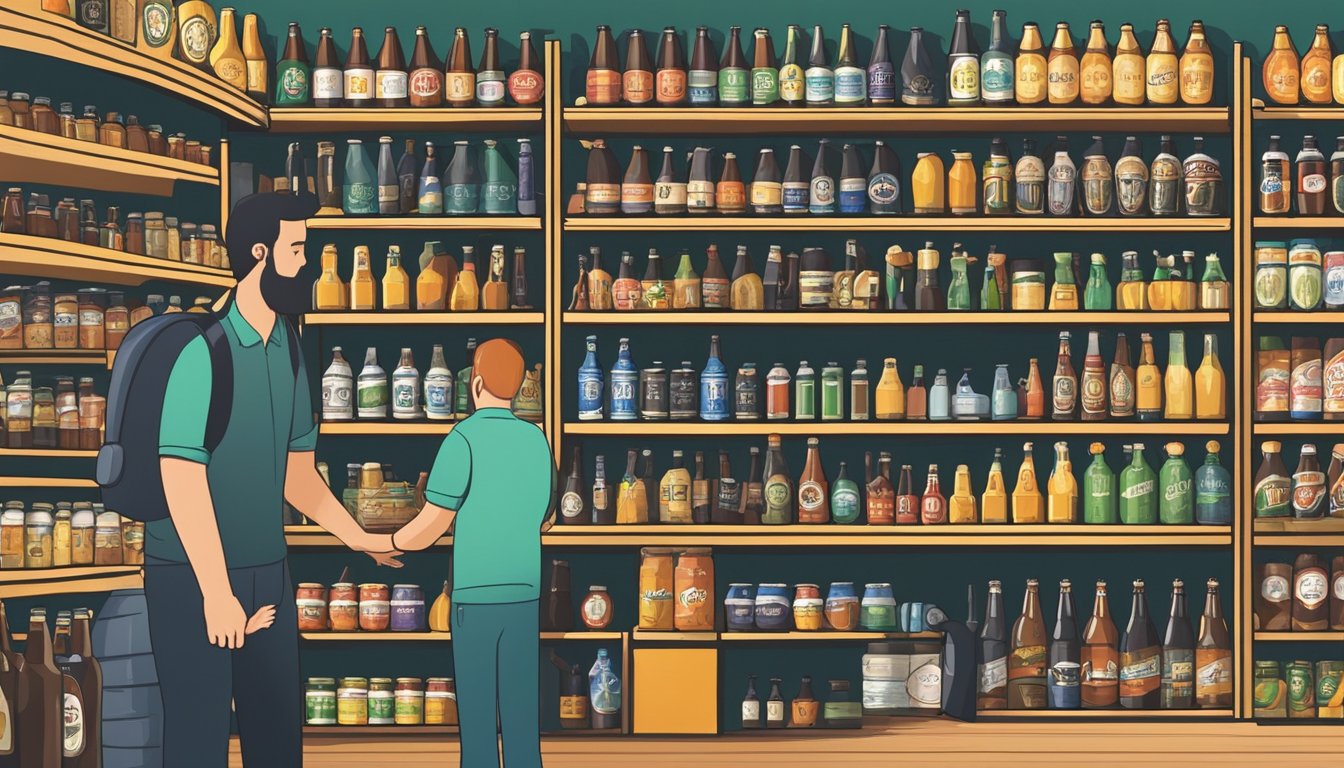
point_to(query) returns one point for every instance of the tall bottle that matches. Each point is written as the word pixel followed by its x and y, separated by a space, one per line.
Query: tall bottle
pixel 670 76
pixel 814 506
pixel 851 80
pixel 881 71
pixel 1099 491
pixel 1131 179
pixel 459 79
pixel 730 194
pixel 462 192
pixel 764 70
pixel 637 194
pixel 396 284
pixel 40 713
pixel 1062 489
pixel 358 71
pixel 1140 657
pixel 1213 654
pixel 363 289
pixel 907 501
pixel 917 72
pixel 1128 75
pixel 1178 654
pixel 996 63
pixel 994 501
pixel 714 385
pixel 779 493
pixel 1138 491
pixel 881 495
pixel 425 79
pixel 328 73
pixel 669 189
pixel 389 185
pixel 408 179
pixel 1031 70
pixel 1312 171
pixel 430 185
pixel 1097 180
pixel 1062 67
pixel 1196 67
pixel 819 78
pixel 997 183
pixel 466 293
pixel 1209 383
pixel 438 387
pixel 1148 382
pixel 845 504
pixel 1064 389
pixel 1163 68
pixel 1100 657
pixel 293 74
pixel 1063 683
pixel 1315 68
pixel 1028 657
pixel 963 64
pixel 1028 504
pixel 575 508
pixel 702 81
pixel 390 78
pixel 226 57
pixel 490 85
pixel 591 405
pixel 992 657
pixel 1213 494
pixel 822 193
pixel 1176 502
pixel 792 76
pixel 1098 293
pixel 674 493
pixel 1178 384
pixel 734 77
pixel 624 385
pixel 1094 70
pixel 1029 172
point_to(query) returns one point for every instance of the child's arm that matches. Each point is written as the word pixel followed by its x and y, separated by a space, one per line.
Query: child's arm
pixel 262 619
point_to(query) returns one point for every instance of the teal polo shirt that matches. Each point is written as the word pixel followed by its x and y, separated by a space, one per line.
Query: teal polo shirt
pixel 495 471
pixel 272 416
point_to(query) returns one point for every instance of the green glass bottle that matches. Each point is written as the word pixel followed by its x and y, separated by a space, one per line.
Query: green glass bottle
pixel 1138 491
pixel 844 498
pixel 990 300
pixel 499 194
pixel 1099 500
pixel 959 290
pixel 1176 505
pixel 1098 294
pixel 292 73
pixel 686 285
pixel 805 392
pixel 832 392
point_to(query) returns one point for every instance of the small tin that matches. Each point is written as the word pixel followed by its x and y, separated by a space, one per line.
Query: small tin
pixel 653 405
pixel 747 394
pixel 772 607
pixel 807 607
pixel 407 608
pixel 684 393
pixel 739 607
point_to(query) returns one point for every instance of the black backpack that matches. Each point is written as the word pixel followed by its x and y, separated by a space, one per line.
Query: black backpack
pixel 128 462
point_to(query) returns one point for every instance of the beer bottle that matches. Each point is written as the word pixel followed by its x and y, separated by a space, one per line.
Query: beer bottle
pixel 359 72
pixel 603 84
pixel 9 707
pixel 1031 71
pixel 1127 70
pixel 961 504
pixel 292 71
pixel 652 287
pixel 734 90
pixel 753 492
pixel 1176 505
pixel 603 512
pixel 1138 494
pixel 459 83
pixel 819 79
pixel 997 181
pixel 845 505
pixel 1030 176
pixel 890 393
pixel 714 292
pixel 651 488
pixel 996 64
pixel 747 292
pixel 932 505
pixel 226 57
pixel 1272 483
pixel 637 187
pixel 1064 397
pixel 686 285
pixel 389 185
pixel 1100 657
pixel 963 64
pixel 1178 383
pixel 1063 681
pixel 669 191
pixel 994 501
pixel 853 182
pixel 1196 68
pixel 1148 384
pixel 795 188
pixel 1213 654
pixel 1028 504
pixel 730 194
pixel 1163 79
pixel 525 84
pixel 751 707
pixel 880 495
pixel 1099 500
pixel 430 192
pixel 907 502
pixel 390 79
pixel 1031 404
pixel 851 80
pixel 916 397
pixel 603 192
pixel 764 70
pixel 699 187
pixel 41 699
pixel 490 76
pixel 821 190
pixel 917 72
pixel 1094 69
pixel 599 280
pixel 700 493
pixel 1062 67
pixel 1213 287
pixel 670 78
pixel 1213 502
pixel 674 493
pixel 727 496
pixel 1140 657
pixel 813 489
pixel 1097 179
pixel 703 79
pixel 1178 654
pixel 713 383
pixel 425 81
pixel 778 485
pixel 929 296
pixel 777 393
pixel 1308 488
pixel 792 78
pixel 466 291
pixel 961 184
pixel 328 77
pixel 1165 181
pixel 1209 383
pixel 774 706
pixel 1062 191
pixel 632 504
pixel 992 667
pixel 1132 292
pixel 766 187
pixel 1316 65
pixel 881 71
pixel 1062 489
pixel 1027 657
pixel 1312 188
pixel 1334 482
pixel 1131 179
pixel 396 284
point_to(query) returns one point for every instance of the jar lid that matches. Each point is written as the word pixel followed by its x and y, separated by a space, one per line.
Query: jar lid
pixel 1270 244
pixel 882 649
pixel 1303 242
pixel 311 585
pixel 343 585
pixel 372 585
pixel 42 100
pixel 408 680
pixel 597 588
pixel 405 586
pixel 321 681
pixel 800 586
pixel 20 95
pixel 877 585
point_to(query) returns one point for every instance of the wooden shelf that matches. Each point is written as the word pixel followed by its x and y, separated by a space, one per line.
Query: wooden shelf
pixel 905 223
pixel 47 453
pixel 1299 637
pixel 63 260
pixel 385 428
pixel 1277 525
pixel 376 731
pixel 1102 714
pixel 440 637
pixel 822 636
pixel 310 119
pixel 74 580
pixel 811 536
pixel 40 158
pixel 47 482
pixel 54 357
pixel 488 223
pixel 1267 316
pixel 505 317
pixel 663 636
pixel 315 536
pixel 583 636
pixel 1265 112
pixel 882 317
pixel 1334 428
pixel 1158 429
pixel 1304 223
pixel 660 121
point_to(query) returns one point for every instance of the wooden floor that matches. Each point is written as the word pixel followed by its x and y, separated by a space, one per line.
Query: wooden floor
pixel 938 743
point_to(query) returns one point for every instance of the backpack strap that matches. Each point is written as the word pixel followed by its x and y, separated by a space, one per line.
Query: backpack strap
pixel 292 332
pixel 221 382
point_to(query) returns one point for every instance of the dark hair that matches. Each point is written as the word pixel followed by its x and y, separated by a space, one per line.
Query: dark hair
pixel 256 219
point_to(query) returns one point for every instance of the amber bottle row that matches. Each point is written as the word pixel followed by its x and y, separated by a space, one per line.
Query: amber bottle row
pixel 38 317
pixel 113 129
pixel 40 415
pixel 45 535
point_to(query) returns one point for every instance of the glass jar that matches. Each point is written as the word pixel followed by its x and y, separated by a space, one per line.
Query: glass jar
pixel 158 143
pixel 877 611
pixel 11 536
pixel 13 221
pixel 11 317
pixel 343 607
pixel 320 701
pixel 1305 275
pixel 177 146
pixel 440 701
pixel 410 701
pixel 37 536
pixel 44 418
pixel 382 701
pixel 88 124
pixel 137 138
pixel 82 526
pixel 374 607
pixel 39 221
pixel 156 236
pixel 6 114
pixel 135 233
pixel 106 537
pixel 60 538
pixel 67 413
pixel 92 334
pixel 112 132
pixel 45 119
pixel 174 238
pixel 772 607
pixel 68 119
pixel 210 253
pixel 192 151
pixel 191 244
pixel 38 330
pixel 352 701
pixel 156 303
pixel 91 410
pixel 19 411
pixel 807 606
pixel 109 234
pixel 1271 274
pixel 20 104
pixel 739 608
pixel 65 334
pixel 132 541
pixel 842 607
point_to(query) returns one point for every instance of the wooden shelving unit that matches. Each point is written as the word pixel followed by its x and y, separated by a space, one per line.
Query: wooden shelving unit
pixel 1265 316
pixel 442 637
pixel 1103 714
pixel 73 580
pixel 762 428
pixel 403 223
pixel 47 453
pixel 340 120
pixel 47 482
pixel 1327 428
pixel 1262 111
pixel 1053 319
pixel 1300 637
pixel 54 357
pixel 315 536
pixel 908 223
pixel 58 259
pixel 1303 224
pixel 385 428
pixel 40 158
pixel 824 637
pixel 507 317
pixel 661 636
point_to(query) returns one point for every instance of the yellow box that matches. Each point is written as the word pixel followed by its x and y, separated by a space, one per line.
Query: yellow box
pixel 677 690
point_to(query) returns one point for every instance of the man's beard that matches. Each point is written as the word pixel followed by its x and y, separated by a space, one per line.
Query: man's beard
pixel 285 295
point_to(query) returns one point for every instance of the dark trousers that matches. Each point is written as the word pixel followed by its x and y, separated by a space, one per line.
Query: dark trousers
pixel 198 680
pixel 496 658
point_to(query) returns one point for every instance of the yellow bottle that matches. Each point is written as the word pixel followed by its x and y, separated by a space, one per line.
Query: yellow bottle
pixel 363 291
pixel 1210 385
pixel 926 184
pixel 890 392
pixel 1127 69
pixel 226 58
pixel 466 296
pixel 329 292
pixel 495 295
pixel 1178 384
pixel 255 58
pixel 431 285
pixel 994 501
pixel 1163 72
pixel 961 504
pixel 1316 63
pixel 1159 291
pixel 1028 504
pixel 1184 289
pixel 1196 67
pixel 1062 488
pixel 1280 70
pixel 1337 84
pixel 396 283
pixel 1131 292
pixel 1030 71
pixel 1147 381
pixel 1095 68
pixel 1062 67
pixel 674 493
pixel 961 184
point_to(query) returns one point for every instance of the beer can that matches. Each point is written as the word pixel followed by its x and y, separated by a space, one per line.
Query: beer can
pixel 684 393
pixel 653 405
pixel 1330 689
pixel 746 394
pixel 1334 280
pixel 1301 690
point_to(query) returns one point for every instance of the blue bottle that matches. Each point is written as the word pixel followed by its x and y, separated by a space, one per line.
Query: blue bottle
pixel 881 72
pixel 590 384
pixel 462 194
pixel 360 188
pixel 853 181
pixel 1004 405
pixel 940 398
pixel 624 385
pixel 604 693
pixel 969 405
pixel 499 193
pixel 1213 494
pixel 431 185
pixel 714 386
pixel 527 185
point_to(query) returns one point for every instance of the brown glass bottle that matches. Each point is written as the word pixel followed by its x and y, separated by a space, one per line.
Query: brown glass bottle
pixel 992 673
pixel 917 397
pixel 574 506
pixel 426 76
pixel 328 80
pixel 670 77
pixel 85 670
pixel 579 299
pixel 1273 597
pixel 359 71
pixel 881 495
pixel 730 194
pixel 637 82
pixel 526 84
pixel 41 699
pixel 1312 174
pixel 1140 657
pixel 714 282
pixel 1280 71
pixel 14 659
pixel 603 85
pixel 814 493
pixel 1178 654
pixel 1122 380
pixel 637 187
pixel 1027 657
pixel 701 498
pixel 933 504
pixel 459 79
pixel 907 501
pixel 490 75
pixel 1064 390
pixel 727 495
pixel 753 491
pixel 1213 654
pixel 1311 586
pixel 390 80
pixel 1101 659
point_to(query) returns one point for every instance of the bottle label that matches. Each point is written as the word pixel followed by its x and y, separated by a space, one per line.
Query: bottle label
pixel 603 86
pixel 1271 391
pixel 1127 75
pixel 328 83
pixel 359 84
pixel 993 675
pixel 751 711
pixel 774 711
pixel 792 83
pixel 1131 184
pixel 391 85
pixel 819 85
pixel 336 397
pixel 815 288
pixel 795 195
pixel 853 195
pixel 460 87
pixel 1030 82
pixel 963 79
pixel 845 505
pixel 1313 183
pixel 1178 678
pixel 1139 490
pixel 670 194
pixel 490 88
pixel 996 79
pixel 425 84
pixel 603 194
pixel 1213 673
pixel 571 505
pixel 1094 392
pixel 811 496
pixel 1065 393
pixel 638 86
pixel 1272 497
pixel 1332 385
pixel 291 84
pixel 1308 493
pixel 851 85
pixel 73 725
pixel 590 396
pixel 714 293
pixel 884 189
pixel 764 85
pixel 195 36
pixel 730 196
pixel 766 194
pixel 623 385
pixel 881 507
pixel 671 85
pixel 1140 671
pixel 733 85
pixel 822 195
pixel 526 87
pixel 1310 588
pixel 713 398
pixel 703 86
pixel 882 82
pixel 157 22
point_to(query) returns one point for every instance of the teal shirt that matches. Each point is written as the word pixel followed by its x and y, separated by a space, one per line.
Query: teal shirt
pixel 272 415
pixel 495 471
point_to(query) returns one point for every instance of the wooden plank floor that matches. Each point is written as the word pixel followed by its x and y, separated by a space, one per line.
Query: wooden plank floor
pixel 935 743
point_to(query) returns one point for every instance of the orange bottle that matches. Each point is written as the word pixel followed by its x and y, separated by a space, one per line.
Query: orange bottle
pixel 1280 72
pixel 1316 64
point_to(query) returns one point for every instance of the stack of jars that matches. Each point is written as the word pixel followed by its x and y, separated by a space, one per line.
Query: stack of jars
pixel 766 608
pixel 52 418
pixel 60 535
pixel 87 318
pixel 1300 695
pixel 36 114
pixel 366 608
pixel 381 701
pixel 1297 276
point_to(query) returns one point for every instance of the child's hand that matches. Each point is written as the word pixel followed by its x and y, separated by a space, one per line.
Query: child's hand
pixel 260 620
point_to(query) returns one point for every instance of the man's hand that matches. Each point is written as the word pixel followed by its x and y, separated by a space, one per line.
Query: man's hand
pixel 388 559
pixel 379 547
pixel 225 621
